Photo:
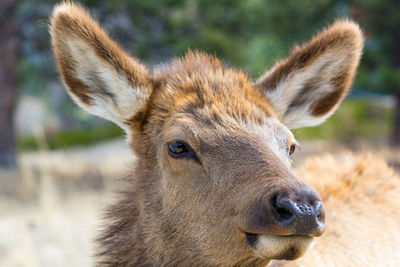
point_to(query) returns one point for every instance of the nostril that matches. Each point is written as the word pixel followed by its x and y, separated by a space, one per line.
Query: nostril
pixel 321 214
pixel 283 213
pixel 283 210
pixel 319 210
pixel 300 211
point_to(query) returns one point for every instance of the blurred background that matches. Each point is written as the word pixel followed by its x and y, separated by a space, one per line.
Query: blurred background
pixel 58 164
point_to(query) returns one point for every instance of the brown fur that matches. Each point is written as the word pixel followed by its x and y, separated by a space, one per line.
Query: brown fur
pixel 345 40
pixel 362 200
pixel 82 26
pixel 339 36
pixel 195 210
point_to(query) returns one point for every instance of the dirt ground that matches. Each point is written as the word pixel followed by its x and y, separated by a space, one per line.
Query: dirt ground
pixel 52 214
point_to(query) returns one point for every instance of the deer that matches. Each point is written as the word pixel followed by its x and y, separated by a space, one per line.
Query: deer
pixel 212 184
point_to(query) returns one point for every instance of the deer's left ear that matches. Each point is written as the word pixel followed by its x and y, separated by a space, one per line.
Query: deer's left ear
pixel 307 87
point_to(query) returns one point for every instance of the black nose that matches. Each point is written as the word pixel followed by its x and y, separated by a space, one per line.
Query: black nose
pixel 300 210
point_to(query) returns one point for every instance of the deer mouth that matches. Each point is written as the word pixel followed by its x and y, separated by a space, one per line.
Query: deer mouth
pixel 284 247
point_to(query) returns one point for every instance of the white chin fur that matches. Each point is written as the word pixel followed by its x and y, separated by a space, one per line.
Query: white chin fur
pixel 283 247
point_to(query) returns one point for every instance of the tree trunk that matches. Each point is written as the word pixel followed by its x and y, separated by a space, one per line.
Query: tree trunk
pixel 9 54
pixel 396 133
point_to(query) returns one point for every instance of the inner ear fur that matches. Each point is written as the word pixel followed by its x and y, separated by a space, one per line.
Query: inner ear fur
pixel 307 86
pixel 97 73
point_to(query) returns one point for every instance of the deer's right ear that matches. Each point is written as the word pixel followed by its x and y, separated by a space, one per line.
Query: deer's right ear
pixel 98 74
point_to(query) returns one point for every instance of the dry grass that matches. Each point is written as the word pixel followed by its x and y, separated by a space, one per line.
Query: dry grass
pixel 361 195
pixel 50 216
pixel 50 208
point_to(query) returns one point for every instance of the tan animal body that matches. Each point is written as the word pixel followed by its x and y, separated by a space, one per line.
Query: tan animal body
pixel 361 195
pixel 213 184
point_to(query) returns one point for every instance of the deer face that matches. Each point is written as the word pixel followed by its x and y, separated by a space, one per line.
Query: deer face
pixel 224 162
pixel 214 147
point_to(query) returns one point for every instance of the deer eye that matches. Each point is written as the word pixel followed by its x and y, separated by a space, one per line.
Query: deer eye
pixel 180 149
pixel 292 148
pixel 177 148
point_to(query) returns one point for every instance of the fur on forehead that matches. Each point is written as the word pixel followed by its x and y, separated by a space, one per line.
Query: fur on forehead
pixel 201 85
pixel 200 67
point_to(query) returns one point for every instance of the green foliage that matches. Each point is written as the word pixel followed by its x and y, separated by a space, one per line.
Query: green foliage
pixel 262 52
pixel 381 62
pixel 359 119
pixel 72 137
pixel 249 34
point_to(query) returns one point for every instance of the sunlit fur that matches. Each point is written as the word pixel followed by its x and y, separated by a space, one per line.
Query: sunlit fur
pixel 195 211
pixel 362 197
pixel 98 74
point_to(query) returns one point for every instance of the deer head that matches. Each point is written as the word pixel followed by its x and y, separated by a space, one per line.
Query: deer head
pixel 213 183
